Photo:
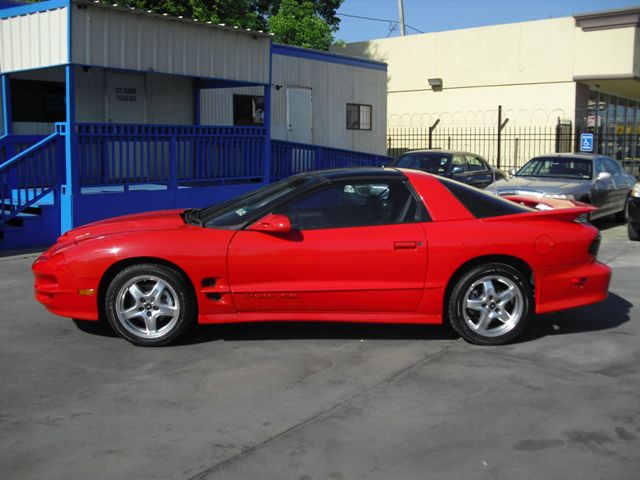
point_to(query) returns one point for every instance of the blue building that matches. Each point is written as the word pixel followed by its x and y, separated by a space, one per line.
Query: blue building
pixel 109 110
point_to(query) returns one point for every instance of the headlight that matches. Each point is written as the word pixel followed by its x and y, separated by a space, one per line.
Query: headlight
pixel 635 191
pixel 560 196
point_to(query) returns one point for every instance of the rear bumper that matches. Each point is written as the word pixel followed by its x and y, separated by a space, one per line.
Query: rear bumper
pixel 59 290
pixel 569 286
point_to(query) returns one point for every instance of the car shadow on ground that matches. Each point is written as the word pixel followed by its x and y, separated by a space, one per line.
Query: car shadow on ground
pixel 606 223
pixel 606 315
pixel 315 331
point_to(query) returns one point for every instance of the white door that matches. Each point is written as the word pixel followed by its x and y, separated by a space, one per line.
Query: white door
pixel 125 98
pixel 299 114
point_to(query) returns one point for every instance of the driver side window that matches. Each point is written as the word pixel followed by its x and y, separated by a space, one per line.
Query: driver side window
pixel 353 204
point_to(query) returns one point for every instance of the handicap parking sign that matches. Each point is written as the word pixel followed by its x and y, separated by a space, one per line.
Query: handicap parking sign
pixel 586 142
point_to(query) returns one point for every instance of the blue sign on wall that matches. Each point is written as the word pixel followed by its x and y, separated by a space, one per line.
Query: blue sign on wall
pixel 586 142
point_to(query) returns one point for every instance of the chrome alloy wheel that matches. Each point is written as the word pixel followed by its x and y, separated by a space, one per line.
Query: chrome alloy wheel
pixel 147 306
pixel 493 306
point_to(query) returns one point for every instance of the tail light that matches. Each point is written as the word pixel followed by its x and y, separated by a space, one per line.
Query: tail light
pixel 595 245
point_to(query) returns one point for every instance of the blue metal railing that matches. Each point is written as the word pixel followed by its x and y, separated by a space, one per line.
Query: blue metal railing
pixel 172 155
pixel 28 176
pixel 288 158
pixel 13 144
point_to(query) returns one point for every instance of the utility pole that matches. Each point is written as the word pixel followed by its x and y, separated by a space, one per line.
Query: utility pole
pixel 401 14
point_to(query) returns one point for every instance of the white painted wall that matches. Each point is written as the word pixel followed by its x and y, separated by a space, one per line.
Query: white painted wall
pixel 526 67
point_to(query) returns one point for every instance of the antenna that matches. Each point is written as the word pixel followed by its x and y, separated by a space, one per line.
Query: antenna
pixel 401 15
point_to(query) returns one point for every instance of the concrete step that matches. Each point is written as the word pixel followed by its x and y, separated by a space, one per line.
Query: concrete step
pixel 30 230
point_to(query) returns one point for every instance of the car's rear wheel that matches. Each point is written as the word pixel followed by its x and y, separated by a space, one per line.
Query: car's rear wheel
pixel 490 304
pixel 149 304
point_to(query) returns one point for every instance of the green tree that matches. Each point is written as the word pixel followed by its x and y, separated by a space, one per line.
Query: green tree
pixel 296 23
pixel 305 23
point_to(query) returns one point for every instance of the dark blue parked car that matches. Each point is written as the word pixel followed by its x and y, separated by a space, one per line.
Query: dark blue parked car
pixel 464 167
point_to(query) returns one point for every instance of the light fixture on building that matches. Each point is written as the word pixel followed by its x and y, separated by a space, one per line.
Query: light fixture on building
pixel 435 84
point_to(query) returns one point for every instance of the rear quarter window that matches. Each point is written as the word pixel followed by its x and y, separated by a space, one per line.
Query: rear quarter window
pixel 482 204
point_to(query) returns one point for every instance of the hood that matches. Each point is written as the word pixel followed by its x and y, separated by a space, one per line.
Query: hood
pixel 161 220
pixel 539 185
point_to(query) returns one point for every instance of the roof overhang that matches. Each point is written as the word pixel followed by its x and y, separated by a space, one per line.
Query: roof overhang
pixel 604 20
pixel 624 85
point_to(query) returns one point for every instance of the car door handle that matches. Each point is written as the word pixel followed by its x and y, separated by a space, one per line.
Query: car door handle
pixel 407 245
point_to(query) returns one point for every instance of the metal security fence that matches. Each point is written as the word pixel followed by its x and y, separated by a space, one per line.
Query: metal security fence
pixel 516 144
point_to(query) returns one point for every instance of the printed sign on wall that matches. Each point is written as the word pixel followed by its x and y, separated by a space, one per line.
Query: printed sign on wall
pixel 125 98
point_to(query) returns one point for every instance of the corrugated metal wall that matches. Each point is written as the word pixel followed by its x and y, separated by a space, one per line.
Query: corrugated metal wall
pixel 168 99
pixel 35 40
pixel 216 105
pixel 334 85
pixel 125 40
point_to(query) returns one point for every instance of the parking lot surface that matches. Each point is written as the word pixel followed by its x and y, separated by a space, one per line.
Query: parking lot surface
pixel 324 401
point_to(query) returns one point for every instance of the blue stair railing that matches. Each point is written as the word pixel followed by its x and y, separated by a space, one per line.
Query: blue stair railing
pixel 29 176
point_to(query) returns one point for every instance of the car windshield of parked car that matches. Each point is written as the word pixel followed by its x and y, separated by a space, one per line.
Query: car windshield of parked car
pixel 557 167
pixel 238 211
pixel 437 163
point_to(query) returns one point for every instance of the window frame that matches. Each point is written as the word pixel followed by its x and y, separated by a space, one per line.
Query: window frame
pixel 359 121
pixel 236 97
pixel 421 214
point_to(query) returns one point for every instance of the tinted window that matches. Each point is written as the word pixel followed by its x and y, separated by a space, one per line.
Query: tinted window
pixel 482 204
pixel 475 164
pixel 564 167
pixel 353 204
pixel 437 163
pixel 460 162
pixel 236 212
pixel 613 167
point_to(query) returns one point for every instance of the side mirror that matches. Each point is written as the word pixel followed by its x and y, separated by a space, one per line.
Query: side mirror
pixel 456 170
pixel 512 172
pixel 604 176
pixel 272 223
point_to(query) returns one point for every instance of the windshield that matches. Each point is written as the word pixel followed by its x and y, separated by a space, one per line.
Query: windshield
pixel 238 211
pixel 557 167
pixel 431 162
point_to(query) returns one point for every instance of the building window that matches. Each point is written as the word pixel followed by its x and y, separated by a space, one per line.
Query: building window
pixel 248 110
pixel 37 101
pixel 358 117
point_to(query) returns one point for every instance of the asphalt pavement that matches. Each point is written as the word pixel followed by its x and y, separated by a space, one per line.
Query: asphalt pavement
pixel 324 401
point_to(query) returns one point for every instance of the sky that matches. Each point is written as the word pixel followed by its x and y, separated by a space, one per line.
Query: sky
pixel 438 15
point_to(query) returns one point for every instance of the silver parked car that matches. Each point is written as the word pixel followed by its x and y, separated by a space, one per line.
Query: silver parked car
pixel 594 179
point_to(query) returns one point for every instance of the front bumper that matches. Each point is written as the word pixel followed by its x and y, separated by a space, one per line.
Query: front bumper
pixel 61 292
pixel 569 286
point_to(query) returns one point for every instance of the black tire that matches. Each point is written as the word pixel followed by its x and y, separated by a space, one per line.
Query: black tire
pixel 482 312
pixel 160 312
pixel 633 231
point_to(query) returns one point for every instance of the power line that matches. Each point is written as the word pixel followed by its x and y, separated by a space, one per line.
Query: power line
pixel 394 22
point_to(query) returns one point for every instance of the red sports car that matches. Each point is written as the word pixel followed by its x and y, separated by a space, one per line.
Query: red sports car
pixel 356 245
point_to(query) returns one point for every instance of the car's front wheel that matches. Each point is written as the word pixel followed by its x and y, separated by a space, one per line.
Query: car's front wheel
pixel 149 304
pixel 490 304
pixel 633 230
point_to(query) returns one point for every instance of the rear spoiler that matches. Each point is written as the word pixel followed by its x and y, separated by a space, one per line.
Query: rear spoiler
pixel 547 208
